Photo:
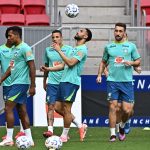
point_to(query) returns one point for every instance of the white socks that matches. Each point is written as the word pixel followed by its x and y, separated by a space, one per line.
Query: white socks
pixel 65 132
pixel 50 128
pixel 28 134
pixel 112 131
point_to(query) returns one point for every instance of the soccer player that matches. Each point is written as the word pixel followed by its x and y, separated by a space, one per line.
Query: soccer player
pixel 70 81
pixel 120 56
pixel 22 74
pixel 5 57
pixel 53 60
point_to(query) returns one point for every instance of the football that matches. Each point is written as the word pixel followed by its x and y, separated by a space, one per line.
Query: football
pixel 72 10
pixel 23 143
pixel 53 143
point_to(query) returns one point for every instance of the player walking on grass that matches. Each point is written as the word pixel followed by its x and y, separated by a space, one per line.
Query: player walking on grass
pixel 52 59
pixel 121 56
pixel 22 74
pixel 70 81
pixel 5 57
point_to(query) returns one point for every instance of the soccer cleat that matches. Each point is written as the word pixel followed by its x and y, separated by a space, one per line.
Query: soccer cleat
pixel 127 128
pixel 7 142
pixel 122 135
pixel 64 139
pixel 47 134
pixel 82 132
pixel 19 134
pixel 112 138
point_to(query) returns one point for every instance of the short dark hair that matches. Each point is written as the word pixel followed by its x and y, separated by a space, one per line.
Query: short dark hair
pixel 121 25
pixel 15 29
pixel 57 31
pixel 89 34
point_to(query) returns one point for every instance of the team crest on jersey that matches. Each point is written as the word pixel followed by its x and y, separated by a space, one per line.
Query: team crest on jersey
pixel 15 54
pixel 125 50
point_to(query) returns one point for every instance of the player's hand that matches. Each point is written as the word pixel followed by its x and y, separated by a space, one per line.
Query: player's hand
pixel 43 69
pixel 128 63
pixel 99 79
pixel 56 46
pixel 138 69
pixel 32 91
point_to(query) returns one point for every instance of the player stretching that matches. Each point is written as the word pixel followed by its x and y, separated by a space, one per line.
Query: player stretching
pixel 70 81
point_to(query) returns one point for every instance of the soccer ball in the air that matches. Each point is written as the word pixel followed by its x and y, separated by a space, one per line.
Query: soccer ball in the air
pixel 72 10
pixel 23 142
pixel 53 143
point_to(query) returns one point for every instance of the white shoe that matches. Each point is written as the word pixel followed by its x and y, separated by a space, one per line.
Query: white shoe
pixel 32 143
pixel 7 142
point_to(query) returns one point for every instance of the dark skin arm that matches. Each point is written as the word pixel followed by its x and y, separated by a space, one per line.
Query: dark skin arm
pixel 6 75
pixel 45 77
pixel 32 72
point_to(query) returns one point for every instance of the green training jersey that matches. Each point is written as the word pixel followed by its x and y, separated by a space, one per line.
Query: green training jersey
pixel 73 74
pixel 20 55
pixel 115 54
pixel 52 58
pixel 5 57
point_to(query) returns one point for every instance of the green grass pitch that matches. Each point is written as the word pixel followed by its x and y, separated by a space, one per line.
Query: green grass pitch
pixel 96 139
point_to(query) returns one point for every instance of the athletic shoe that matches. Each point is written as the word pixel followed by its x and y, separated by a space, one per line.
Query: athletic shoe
pixel 7 142
pixel 47 134
pixel 19 134
pixel 122 135
pixel 127 128
pixel 64 139
pixel 112 138
pixel 32 143
pixel 82 131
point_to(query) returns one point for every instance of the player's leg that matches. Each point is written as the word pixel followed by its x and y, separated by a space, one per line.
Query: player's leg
pixel 112 97
pixel 127 126
pixel 22 100
pixel 112 119
pixel 59 108
pixel 67 94
pixel 25 121
pixel 118 115
pixel 9 106
pixel 127 106
pixel 51 96
pixel 6 90
pixel 21 132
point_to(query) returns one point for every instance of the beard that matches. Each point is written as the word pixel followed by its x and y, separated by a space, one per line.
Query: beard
pixel 118 38
pixel 78 38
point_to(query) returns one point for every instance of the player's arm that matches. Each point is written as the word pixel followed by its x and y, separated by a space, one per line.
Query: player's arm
pixel 45 77
pixel 69 61
pixel 102 66
pixel 32 72
pixel 6 74
pixel 134 63
pixel 55 68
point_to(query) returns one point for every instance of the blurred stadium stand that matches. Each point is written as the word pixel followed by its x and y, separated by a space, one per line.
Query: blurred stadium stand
pixel 99 16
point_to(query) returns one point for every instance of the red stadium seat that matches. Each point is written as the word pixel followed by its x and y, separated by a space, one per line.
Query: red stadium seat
pixel 147 20
pixel 33 6
pixel 9 6
pixel 12 19
pixel 145 4
pixel 37 20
